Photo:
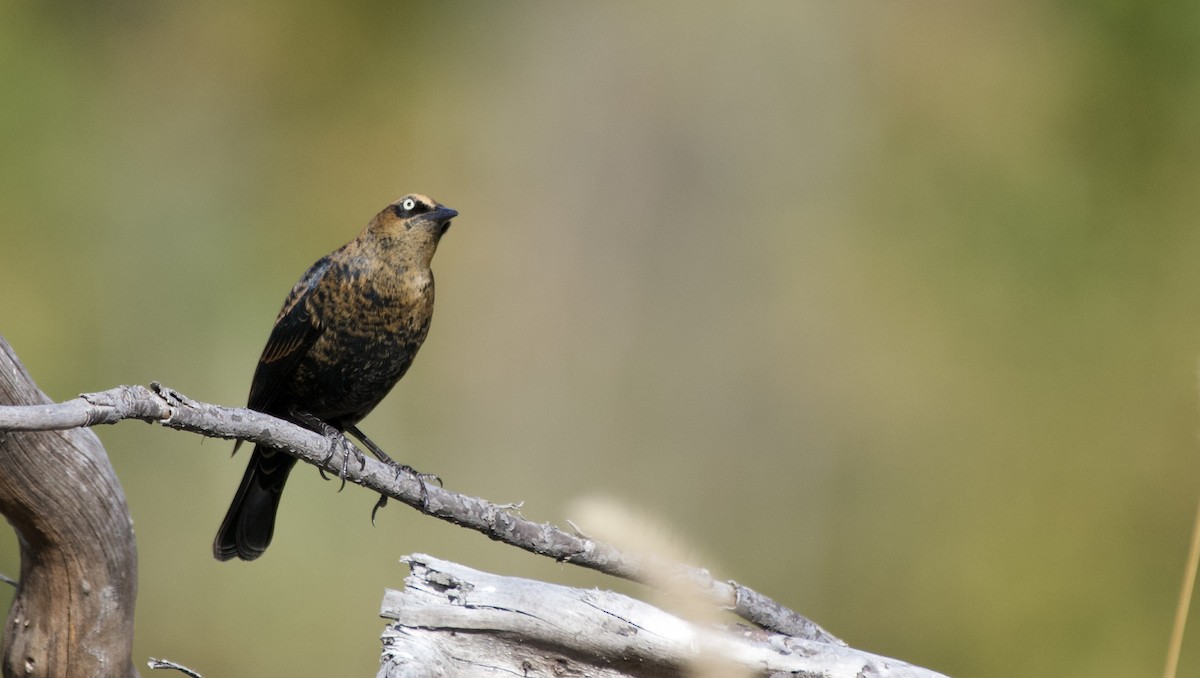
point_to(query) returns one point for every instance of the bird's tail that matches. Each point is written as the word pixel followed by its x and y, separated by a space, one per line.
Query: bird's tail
pixel 248 526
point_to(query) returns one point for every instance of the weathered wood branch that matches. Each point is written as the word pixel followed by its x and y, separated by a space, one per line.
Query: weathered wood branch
pixel 162 405
pixel 72 614
pixel 452 620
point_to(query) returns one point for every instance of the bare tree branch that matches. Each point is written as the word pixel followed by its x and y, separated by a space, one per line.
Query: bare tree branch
pixel 162 405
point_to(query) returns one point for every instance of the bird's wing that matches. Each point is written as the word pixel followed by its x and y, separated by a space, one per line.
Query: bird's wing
pixel 295 331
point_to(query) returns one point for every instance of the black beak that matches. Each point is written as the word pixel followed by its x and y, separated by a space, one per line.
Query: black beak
pixel 443 215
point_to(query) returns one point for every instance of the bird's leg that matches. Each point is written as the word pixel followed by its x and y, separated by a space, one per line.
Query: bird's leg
pixel 422 478
pixel 385 458
pixel 375 449
pixel 335 438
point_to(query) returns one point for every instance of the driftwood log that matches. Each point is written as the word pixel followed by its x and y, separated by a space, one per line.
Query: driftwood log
pixel 451 620
pixel 77 554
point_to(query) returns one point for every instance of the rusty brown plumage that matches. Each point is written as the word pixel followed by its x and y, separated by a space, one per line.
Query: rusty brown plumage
pixel 346 334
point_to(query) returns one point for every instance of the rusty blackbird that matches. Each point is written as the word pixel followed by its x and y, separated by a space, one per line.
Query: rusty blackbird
pixel 346 334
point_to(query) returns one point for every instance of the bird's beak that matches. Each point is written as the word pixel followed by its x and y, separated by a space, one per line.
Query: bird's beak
pixel 443 215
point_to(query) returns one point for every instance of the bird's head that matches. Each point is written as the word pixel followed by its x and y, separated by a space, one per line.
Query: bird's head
pixel 417 211
pixel 416 221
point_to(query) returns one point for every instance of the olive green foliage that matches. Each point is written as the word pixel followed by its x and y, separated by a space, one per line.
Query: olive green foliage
pixel 893 309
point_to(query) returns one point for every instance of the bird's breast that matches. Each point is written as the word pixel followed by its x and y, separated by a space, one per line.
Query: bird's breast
pixel 371 331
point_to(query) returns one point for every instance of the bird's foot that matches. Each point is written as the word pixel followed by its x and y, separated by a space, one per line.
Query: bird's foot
pixel 422 479
pixel 402 469
pixel 349 448
pixel 337 440
pixel 399 468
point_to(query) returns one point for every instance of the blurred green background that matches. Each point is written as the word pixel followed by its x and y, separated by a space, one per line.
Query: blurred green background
pixel 892 309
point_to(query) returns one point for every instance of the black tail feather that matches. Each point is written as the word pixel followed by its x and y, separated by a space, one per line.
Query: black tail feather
pixel 246 531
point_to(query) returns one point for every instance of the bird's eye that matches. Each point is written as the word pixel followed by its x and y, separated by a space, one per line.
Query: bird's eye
pixel 408 204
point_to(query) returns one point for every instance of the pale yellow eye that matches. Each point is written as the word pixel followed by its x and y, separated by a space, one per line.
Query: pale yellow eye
pixel 408 204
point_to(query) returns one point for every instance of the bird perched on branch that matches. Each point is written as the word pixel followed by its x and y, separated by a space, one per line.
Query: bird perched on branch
pixel 346 334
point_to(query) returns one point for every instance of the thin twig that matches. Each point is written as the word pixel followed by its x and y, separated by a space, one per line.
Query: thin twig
pixel 168 664
pixel 162 405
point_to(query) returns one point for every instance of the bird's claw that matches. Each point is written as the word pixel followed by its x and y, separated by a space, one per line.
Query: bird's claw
pixel 336 440
pixel 328 457
pixel 402 469
pixel 378 505
pixel 334 437
pixel 349 448
pixel 422 479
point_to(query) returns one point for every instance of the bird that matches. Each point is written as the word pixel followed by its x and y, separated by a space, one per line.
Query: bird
pixel 347 332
